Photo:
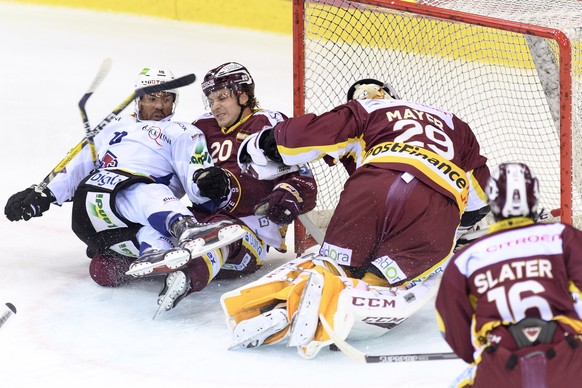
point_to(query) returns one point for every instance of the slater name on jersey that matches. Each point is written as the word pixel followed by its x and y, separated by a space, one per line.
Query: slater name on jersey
pixel 515 270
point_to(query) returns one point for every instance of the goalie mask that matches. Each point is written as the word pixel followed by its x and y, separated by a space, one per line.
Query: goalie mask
pixel 371 89
pixel 512 191
pixel 232 76
pixel 153 76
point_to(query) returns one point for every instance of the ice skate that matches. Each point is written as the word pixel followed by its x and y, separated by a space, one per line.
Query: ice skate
pixel 156 262
pixel 253 332
pixel 175 289
pixel 201 238
pixel 196 239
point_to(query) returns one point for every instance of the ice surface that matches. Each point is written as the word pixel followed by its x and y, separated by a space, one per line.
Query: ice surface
pixel 69 331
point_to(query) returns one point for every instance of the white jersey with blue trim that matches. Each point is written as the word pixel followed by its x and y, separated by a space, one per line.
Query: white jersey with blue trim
pixel 167 151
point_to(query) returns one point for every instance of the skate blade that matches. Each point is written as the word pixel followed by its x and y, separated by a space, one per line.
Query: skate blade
pixel 173 261
pixel 226 236
pixel 167 301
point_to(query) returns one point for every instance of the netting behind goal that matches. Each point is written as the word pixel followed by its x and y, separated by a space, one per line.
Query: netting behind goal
pixel 516 84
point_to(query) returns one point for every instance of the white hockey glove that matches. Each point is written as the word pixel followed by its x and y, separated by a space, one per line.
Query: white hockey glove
pixel 253 159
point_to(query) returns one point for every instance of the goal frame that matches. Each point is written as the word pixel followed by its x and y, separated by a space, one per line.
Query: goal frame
pixel 303 239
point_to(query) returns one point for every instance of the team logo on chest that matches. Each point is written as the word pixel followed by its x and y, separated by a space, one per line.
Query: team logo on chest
pixel 157 135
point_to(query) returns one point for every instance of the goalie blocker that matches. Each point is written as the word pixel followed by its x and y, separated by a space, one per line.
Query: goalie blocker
pixel 284 306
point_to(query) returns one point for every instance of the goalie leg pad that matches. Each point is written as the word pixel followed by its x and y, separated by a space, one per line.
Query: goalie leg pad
pixel 365 314
pixel 287 283
pixel 245 302
pixel 306 317
pixel 330 287
pixel 250 301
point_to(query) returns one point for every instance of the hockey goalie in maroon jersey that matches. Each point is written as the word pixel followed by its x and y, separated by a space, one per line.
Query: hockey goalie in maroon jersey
pixel 415 180
pixel 510 303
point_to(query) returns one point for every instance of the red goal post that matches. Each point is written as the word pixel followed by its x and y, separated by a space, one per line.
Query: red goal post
pixel 515 78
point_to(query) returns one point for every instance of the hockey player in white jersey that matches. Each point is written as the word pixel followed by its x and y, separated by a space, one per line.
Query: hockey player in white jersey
pixel 130 205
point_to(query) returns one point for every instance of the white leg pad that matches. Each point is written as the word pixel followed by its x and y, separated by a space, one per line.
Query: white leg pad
pixel 364 314
pixel 306 319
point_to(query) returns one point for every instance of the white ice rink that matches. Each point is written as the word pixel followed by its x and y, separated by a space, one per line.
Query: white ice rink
pixel 70 332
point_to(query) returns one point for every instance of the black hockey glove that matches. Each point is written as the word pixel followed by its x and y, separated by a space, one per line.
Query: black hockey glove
pixel 269 146
pixel 282 206
pixel 27 204
pixel 213 182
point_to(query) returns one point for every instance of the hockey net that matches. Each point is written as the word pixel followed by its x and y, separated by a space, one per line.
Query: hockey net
pixel 511 69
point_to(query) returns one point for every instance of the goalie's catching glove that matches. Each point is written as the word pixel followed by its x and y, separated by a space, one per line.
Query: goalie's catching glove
pixel 28 203
pixel 213 182
pixel 282 206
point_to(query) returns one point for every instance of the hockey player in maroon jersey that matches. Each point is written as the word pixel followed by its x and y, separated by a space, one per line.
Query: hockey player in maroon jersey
pixel 234 115
pixel 265 207
pixel 417 172
pixel 416 178
pixel 510 303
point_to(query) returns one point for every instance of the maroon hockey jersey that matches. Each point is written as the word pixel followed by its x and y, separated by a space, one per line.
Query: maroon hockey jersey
pixel 529 270
pixel 223 144
pixel 433 145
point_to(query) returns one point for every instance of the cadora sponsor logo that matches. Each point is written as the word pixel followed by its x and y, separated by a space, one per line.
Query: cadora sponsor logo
pixel 340 255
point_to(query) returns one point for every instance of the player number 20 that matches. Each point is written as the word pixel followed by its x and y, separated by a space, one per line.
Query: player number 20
pixel 221 151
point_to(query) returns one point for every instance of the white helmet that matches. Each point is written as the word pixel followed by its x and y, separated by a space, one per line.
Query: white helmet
pixel 153 76
pixel 513 191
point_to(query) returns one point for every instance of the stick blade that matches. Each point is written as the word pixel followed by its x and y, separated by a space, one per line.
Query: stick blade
pixel 99 77
pixel 173 84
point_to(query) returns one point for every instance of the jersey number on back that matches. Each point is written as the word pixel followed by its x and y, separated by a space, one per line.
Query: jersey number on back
pixel 443 145
pixel 512 307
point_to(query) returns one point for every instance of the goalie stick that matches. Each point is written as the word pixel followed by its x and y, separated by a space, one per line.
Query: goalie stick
pixel 359 356
pixel 173 84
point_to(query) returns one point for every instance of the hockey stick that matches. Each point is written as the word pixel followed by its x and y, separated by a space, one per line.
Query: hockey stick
pixel 311 228
pixel 7 311
pixel 359 356
pixel 103 71
pixel 173 84
pixel 542 216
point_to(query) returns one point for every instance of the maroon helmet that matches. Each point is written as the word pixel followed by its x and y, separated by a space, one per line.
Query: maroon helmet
pixel 229 75
pixel 512 191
